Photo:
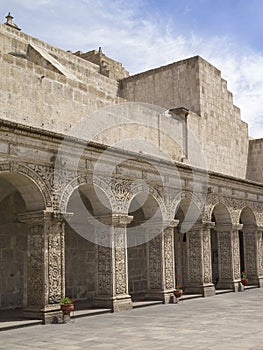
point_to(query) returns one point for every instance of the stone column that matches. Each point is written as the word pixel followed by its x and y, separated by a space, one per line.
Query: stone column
pixel 229 257
pixel 253 254
pixel 160 256
pixel 199 260
pixel 112 278
pixel 45 266
pixel 260 255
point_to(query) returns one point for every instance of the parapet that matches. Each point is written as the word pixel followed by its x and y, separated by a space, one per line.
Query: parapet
pixel 108 67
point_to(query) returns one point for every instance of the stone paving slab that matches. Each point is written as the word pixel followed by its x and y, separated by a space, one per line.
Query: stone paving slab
pixel 223 322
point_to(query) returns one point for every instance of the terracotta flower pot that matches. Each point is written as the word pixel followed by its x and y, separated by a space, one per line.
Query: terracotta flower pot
pixel 178 293
pixel 244 281
pixel 67 308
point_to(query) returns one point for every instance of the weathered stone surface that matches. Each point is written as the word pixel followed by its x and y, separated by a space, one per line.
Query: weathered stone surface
pixel 89 195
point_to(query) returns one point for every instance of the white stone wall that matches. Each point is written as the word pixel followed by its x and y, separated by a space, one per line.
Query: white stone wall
pixel 53 102
pixel 213 121
pixel 33 95
pixel 255 160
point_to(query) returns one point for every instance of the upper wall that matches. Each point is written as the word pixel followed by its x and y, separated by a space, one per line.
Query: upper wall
pixel 216 124
pixel 255 160
pixel 46 87
pixel 174 85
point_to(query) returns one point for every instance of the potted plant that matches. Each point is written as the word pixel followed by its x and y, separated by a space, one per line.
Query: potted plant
pixel 67 305
pixel 178 292
pixel 244 279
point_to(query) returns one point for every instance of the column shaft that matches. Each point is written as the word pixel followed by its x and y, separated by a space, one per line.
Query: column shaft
pixel 46 266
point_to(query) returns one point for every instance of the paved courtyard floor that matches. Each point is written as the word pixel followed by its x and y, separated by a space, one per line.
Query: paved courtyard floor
pixel 226 322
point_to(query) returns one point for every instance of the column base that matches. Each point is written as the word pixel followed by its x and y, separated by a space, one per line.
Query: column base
pixel 234 285
pixel 165 296
pixel 116 304
pixel 207 290
pixel 260 282
pixel 48 314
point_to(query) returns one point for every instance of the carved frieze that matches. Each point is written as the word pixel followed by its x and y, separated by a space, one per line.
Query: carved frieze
pixel 225 255
pixel 168 257
pixel 104 260
pixel 120 260
pixel 251 252
pixel 155 262
pixel 207 256
pixel 236 254
pixel 55 261
pixel 35 269
pixel 195 256
pixel 260 253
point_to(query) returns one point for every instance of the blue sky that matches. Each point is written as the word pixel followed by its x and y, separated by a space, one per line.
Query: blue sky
pixel 143 34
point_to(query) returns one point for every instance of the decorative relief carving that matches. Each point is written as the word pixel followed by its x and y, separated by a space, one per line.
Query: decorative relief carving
pixel 225 256
pixel 120 260
pixel 168 258
pixel 260 253
pixel 121 189
pixel 195 256
pixel 257 209
pixel 4 167
pixel 155 262
pixel 233 206
pixel 104 259
pixel 251 253
pixel 55 262
pixel 55 180
pixel 207 256
pixel 36 283
pixel 26 169
pixel 236 254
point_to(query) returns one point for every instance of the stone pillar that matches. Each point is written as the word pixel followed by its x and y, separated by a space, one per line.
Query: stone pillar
pixel 199 260
pixel 260 255
pixel 229 257
pixel 253 254
pixel 160 256
pixel 45 265
pixel 112 278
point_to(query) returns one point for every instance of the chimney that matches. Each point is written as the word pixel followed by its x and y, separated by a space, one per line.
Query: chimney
pixel 9 22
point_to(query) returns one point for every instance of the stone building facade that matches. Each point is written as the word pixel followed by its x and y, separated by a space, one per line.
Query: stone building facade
pixel 113 185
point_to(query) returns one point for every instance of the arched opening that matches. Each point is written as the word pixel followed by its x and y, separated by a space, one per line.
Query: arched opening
pixel 221 218
pixel 89 204
pixel 188 215
pixel 145 226
pixel 248 244
pixel 18 194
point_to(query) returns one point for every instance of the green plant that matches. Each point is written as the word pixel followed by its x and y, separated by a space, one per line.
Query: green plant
pixel 244 275
pixel 66 301
pixel 178 283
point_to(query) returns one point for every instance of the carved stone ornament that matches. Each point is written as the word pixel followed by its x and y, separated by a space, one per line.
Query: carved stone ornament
pixel 120 260
pixel 195 256
pixel 168 257
pixel 155 264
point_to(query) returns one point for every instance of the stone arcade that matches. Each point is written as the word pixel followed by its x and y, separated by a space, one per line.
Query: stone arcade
pixel 113 185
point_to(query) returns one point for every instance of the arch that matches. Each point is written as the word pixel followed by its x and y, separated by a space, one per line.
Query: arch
pixel 19 193
pixel 146 191
pixel 220 214
pixel 187 210
pixel 33 196
pixel 80 181
pixel 247 217
pixel 84 231
pixel 143 246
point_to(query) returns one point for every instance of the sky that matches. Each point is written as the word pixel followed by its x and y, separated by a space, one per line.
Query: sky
pixel 145 34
